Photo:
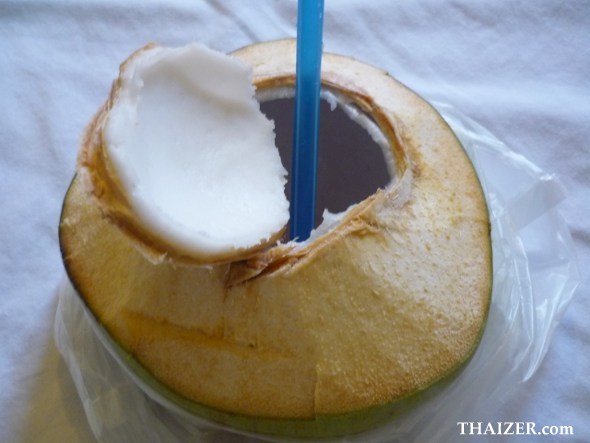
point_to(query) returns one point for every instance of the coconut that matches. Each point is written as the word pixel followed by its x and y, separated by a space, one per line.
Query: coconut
pixel 322 338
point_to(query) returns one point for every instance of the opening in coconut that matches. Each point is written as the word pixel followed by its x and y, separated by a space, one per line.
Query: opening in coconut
pixel 354 157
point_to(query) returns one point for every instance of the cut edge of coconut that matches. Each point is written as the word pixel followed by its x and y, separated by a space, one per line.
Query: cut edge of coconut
pixel 102 180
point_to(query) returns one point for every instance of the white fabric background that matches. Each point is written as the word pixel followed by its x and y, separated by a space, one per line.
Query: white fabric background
pixel 521 69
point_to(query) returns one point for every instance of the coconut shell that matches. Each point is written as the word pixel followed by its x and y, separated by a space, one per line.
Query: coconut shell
pixel 385 305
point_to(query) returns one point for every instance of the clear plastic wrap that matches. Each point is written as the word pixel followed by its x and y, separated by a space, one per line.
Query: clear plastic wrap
pixel 535 275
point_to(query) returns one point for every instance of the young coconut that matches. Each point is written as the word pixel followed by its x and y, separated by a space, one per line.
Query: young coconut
pixel 325 338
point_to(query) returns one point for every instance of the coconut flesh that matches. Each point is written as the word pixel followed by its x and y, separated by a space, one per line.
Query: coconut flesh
pixel 316 339
pixel 193 154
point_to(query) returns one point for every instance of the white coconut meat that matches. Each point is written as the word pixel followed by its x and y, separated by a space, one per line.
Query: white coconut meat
pixel 195 156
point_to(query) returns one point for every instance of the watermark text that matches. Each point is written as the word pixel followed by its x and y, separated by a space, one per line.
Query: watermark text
pixel 511 428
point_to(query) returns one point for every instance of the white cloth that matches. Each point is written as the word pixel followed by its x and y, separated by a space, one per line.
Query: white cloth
pixel 520 69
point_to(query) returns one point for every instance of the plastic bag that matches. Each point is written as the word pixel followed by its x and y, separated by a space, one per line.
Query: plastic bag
pixel 535 275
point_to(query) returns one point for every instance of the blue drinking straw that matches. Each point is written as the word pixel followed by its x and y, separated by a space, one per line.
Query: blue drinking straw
pixel 310 20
